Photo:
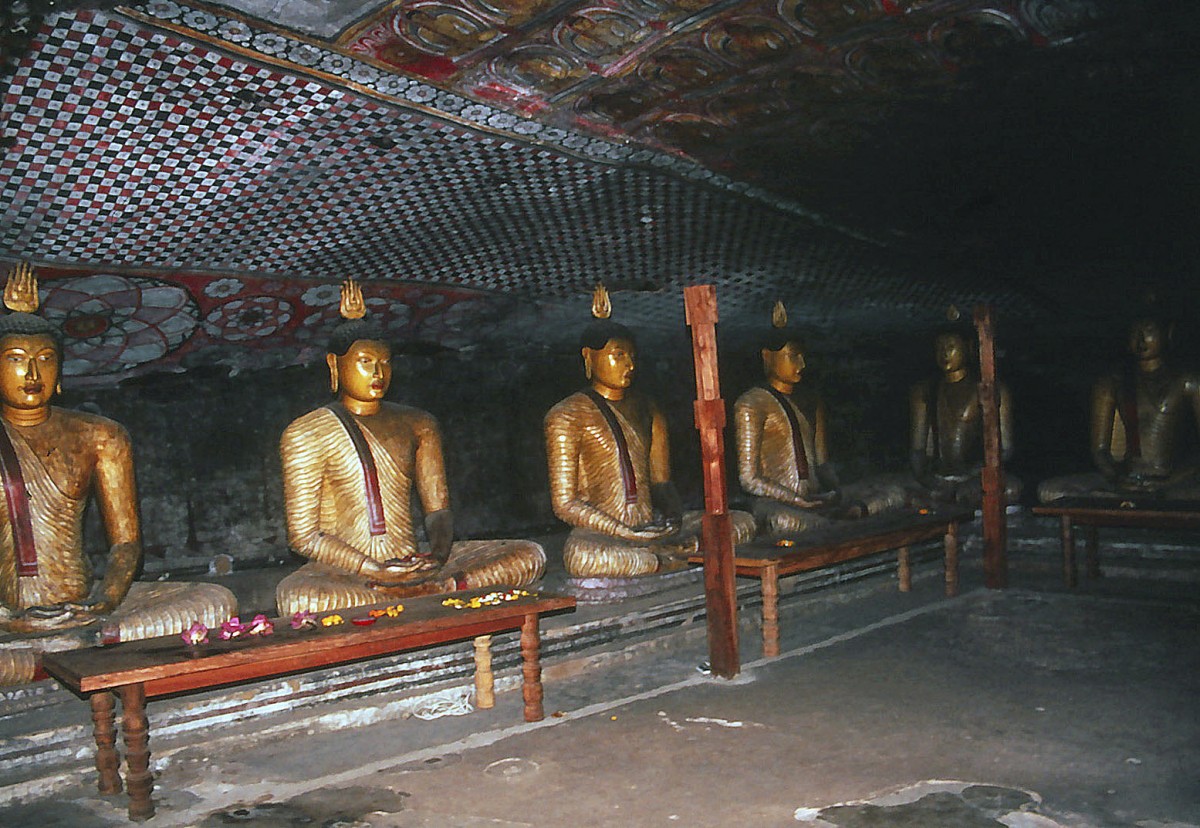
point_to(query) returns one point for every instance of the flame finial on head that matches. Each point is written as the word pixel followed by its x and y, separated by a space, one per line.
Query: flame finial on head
pixel 779 316
pixel 601 306
pixel 21 289
pixel 352 306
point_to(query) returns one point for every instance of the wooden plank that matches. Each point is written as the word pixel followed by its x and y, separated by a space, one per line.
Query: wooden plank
pixel 995 529
pixel 700 307
pixel 165 664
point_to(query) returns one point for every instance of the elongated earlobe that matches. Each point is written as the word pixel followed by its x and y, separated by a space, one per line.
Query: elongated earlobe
pixel 331 360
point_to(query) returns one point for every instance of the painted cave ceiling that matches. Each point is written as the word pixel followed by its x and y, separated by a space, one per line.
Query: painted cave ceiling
pixel 194 178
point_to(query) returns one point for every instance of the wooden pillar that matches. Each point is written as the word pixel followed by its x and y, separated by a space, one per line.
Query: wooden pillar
pixel 485 681
pixel 139 781
pixel 531 667
pixel 995 530
pixel 700 305
pixel 108 761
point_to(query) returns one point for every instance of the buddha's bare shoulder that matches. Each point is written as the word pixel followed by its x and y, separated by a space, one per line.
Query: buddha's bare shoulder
pixel 84 422
pixel 754 397
pixel 81 431
pixel 416 418
pixel 571 407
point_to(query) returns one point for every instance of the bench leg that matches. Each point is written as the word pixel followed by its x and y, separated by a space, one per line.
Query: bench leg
pixel 770 611
pixel 1092 551
pixel 950 545
pixel 485 695
pixel 904 569
pixel 1068 550
pixel 531 645
pixel 108 761
pixel 136 732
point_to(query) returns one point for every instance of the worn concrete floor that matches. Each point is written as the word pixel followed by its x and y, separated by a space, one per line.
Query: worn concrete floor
pixel 1028 708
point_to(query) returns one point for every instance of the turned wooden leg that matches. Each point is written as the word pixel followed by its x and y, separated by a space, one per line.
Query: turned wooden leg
pixel 136 732
pixel 1068 549
pixel 770 611
pixel 950 544
pixel 904 569
pixel 108 761
pixel 485 695
pixel 1092 551
pixel 531 646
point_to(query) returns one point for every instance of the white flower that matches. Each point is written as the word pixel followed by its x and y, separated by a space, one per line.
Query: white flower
pixel 321 295
pixel 304 54
pixel 393 85
pixel 502 120
pixel 223 288
pixel 364 74
pixel 163 9
pixel 235 31
pixel 270 43
pixel 420 93
pixel 476 112
pixel 201 20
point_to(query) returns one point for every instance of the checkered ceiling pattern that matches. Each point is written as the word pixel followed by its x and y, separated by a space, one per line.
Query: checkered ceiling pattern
pixel 132 150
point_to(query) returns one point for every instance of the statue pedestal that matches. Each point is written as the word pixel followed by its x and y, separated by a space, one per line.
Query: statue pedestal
pixel 611 590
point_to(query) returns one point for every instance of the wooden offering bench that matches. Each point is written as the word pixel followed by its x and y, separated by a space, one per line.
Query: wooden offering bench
pixel 140 670
pixel 1093 512
pixel 770 560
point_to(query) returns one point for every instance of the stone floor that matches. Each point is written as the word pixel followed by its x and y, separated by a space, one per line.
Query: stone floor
pixel 1031 707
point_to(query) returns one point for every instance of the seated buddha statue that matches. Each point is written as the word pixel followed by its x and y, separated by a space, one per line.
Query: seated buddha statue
pixel 609 465
pixel 1136 418
pixel 51 460
pixel 349 471
pixel 946 449
pixel 782 450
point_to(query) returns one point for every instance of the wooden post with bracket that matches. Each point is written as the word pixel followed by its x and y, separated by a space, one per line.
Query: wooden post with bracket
pixel 700 305
pixel 995 530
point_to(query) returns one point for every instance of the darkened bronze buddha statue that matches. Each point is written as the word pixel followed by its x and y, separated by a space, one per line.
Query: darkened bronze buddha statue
pixel 609 465
pixel 946 447
pixel 1136 417
pixel 349 472
pixel 51 460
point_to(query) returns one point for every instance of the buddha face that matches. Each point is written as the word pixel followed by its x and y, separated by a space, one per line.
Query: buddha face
pixel 785 365
pixel 29 371
pixel 950 352
pixel 1146 339
pixel 365 371
pixel 613 365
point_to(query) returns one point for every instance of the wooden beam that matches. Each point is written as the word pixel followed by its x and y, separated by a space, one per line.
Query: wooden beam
pixel 995 529
pixel 700 305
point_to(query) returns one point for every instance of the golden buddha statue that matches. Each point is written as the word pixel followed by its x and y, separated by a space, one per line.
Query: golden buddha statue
pixel 51 460
pixel 349 469
pixel 946 449
pixel 1136 417
pixel 782 450
pixel 609 463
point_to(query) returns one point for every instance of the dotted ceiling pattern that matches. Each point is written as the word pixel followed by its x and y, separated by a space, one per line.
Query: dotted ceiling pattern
pixel 142 153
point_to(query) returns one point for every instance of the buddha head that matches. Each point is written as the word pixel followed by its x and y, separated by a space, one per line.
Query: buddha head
pixel 30 351
pixel 608 348
pixel 950 352
pixel 782 352
pixel 359 358
pixel 1148 338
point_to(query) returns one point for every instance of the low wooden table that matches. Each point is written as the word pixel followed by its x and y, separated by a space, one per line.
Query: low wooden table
pixel 140 670
pixel 843 541
pixel 1094 512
